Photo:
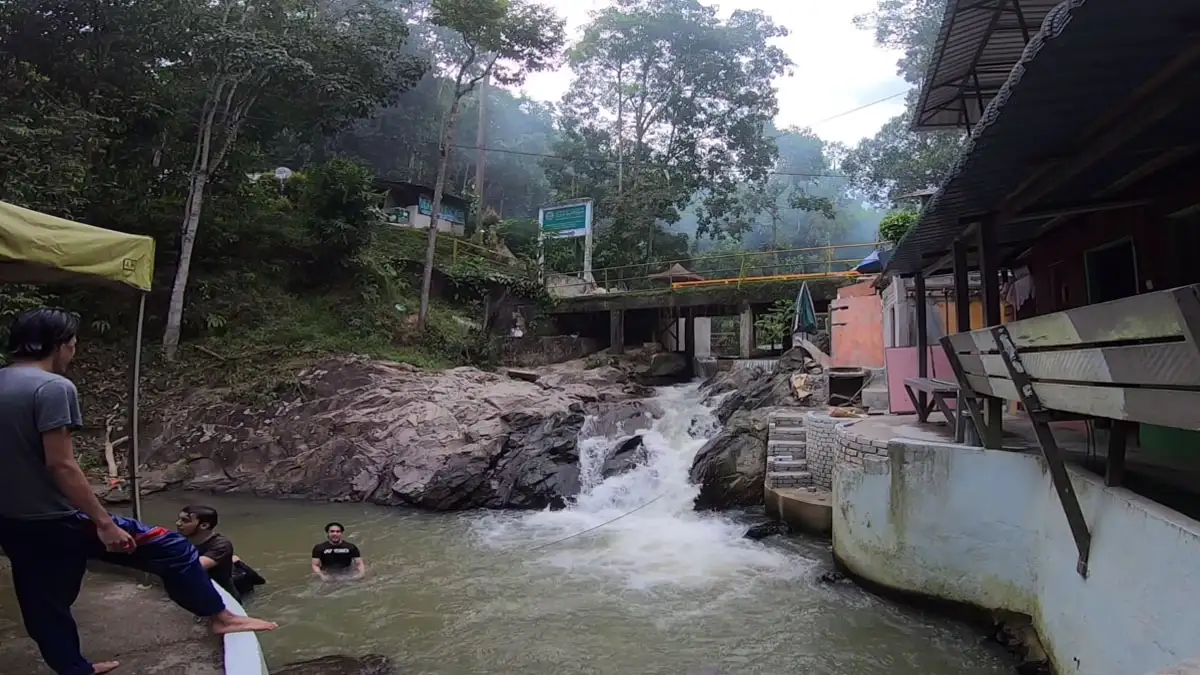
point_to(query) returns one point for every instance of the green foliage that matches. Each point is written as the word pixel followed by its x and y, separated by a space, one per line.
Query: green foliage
pixel 668 104
pixel 504 38
pixel 342 212
pixel 897 160
pixel 776 323
pixel 895 224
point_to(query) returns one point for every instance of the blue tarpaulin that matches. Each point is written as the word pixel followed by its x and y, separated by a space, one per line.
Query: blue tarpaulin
pixel 872 264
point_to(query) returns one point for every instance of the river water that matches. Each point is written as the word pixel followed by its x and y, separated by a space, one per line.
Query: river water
pixel 660 591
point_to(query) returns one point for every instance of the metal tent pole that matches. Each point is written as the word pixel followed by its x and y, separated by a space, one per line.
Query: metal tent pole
pixel 135 367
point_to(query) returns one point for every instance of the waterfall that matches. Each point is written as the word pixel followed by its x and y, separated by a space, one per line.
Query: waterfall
pixel 666 542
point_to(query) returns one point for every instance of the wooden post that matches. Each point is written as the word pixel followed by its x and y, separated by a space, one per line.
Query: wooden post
pixel 922 342
pixel 616 331
pixel 1114 472
pixel 963 432
pixel 990 277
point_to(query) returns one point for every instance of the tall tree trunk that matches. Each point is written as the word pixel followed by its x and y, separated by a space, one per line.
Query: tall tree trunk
pixel 439 189
pixel 481 159
pixel 191 223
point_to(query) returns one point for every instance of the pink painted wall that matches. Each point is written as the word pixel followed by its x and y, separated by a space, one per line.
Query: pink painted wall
pixel 856 327
pixel 902 365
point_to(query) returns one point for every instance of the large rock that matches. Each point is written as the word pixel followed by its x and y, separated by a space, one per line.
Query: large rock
pixel 731 467
pixel 362 430
pixel 770 392
pixel 666 368
pixel 340 665
pixel 621 418
pixel 628 455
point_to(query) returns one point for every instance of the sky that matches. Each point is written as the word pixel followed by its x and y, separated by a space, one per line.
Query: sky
pixel 837 66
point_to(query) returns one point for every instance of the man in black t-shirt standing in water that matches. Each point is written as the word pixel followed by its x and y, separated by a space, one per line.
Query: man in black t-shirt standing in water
pixel 336 556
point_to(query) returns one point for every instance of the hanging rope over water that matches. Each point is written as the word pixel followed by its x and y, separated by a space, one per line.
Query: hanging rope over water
pixel 593 529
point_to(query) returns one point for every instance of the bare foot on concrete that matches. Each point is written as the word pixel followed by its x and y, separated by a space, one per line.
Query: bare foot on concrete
pixel 227 622
pixel 106 667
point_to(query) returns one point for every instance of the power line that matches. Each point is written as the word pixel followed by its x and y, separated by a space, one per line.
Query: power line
pixel 861 107
pixel 609 160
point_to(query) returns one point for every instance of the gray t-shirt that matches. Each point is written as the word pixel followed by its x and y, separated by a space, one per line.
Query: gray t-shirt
pixel 32 401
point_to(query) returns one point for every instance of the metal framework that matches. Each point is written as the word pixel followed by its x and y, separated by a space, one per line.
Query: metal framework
pixel 980 42
pixel 1040 416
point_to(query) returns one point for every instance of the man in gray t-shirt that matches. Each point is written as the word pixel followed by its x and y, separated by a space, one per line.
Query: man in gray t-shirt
pixel 27 491
pixel 51 522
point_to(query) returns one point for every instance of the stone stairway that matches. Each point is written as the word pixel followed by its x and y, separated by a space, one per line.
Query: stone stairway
pixel 787 461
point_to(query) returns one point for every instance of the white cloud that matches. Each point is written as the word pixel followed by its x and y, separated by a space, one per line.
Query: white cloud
pixel 838 67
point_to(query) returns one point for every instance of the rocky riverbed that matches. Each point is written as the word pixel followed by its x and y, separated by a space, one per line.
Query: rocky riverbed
pixel 361 430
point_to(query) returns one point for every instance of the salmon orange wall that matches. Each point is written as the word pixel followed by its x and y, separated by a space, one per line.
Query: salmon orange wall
pixel 856 327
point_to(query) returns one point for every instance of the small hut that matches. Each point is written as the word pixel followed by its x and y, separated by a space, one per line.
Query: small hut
pixel 675 273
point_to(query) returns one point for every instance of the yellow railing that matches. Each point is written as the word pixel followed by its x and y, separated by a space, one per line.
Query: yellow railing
pixel 732 268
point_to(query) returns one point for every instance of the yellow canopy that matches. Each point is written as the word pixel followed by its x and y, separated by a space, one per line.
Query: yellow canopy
pixel 35 247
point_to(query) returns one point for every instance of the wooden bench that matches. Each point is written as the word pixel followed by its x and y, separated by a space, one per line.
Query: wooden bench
pixel 1134 360
pixel 940 393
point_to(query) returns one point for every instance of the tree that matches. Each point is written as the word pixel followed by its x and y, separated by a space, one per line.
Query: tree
pixel 669 103
pixel 336 62
pixel 895 224
pixel 898 160
pixel 499 39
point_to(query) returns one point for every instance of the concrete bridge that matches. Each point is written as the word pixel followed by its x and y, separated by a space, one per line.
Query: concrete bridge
pixel 678 315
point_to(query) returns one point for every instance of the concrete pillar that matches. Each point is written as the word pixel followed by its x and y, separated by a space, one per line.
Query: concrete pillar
pixel 689 342
pixel 746 332
pixel 616 331
pixel 703 336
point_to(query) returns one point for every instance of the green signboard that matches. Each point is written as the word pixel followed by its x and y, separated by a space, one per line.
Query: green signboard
pixel 571 220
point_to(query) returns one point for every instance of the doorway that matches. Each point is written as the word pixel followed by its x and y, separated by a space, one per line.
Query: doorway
pixel 1111 271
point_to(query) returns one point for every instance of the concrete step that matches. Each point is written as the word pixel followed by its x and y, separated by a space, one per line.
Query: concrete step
pixel 776 465
pixel 789 453
pixel 789 479
pixel 780 458
pixel 787 418
pixel 787 433
pixel 789 445
pixel 875 398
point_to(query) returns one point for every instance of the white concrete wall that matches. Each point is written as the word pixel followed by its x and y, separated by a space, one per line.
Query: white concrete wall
pixel 420 221
pixel 674 342
pixel 985 527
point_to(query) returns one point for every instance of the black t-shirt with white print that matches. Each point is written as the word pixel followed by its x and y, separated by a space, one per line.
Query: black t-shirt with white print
pixel 335 557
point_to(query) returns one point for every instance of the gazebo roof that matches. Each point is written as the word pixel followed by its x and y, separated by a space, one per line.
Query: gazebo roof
pixel 676 272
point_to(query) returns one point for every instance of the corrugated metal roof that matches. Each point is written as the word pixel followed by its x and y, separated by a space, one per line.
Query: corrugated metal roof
pixel 1089 55
pixel 979 43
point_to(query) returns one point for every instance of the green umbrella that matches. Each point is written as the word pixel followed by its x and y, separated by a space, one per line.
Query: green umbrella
pixel 805 320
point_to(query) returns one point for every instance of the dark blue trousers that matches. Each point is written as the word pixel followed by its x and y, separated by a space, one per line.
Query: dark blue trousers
pixel 49 557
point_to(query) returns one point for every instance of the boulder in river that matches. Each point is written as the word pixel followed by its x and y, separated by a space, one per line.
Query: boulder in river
pixel 362 430
pixel 628 455
pixel 764 530
pixel 665 368
pixel 340 665
pixel 731 467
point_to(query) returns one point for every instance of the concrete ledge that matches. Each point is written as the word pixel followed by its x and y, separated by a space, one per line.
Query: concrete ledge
pixel 119 620
pixel 803 510
pixel 985 528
